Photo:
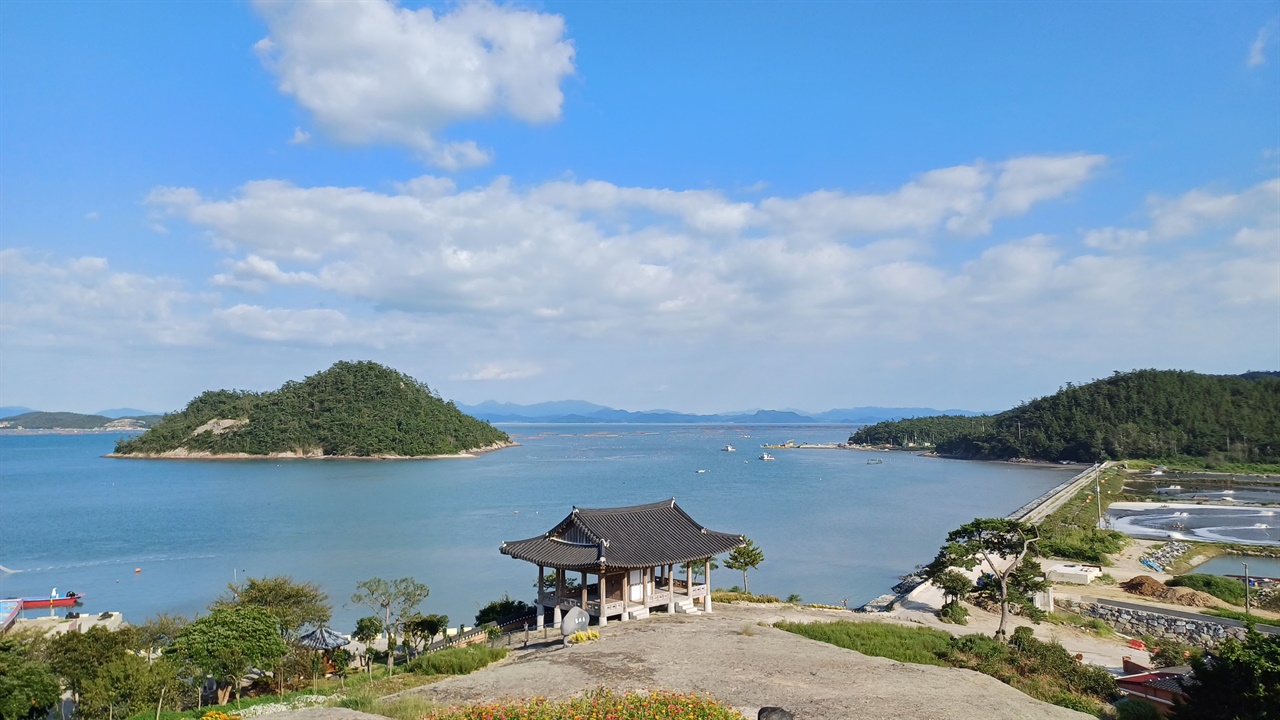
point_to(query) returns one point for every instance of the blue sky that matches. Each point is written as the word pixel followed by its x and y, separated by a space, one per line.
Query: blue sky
pixel 698 206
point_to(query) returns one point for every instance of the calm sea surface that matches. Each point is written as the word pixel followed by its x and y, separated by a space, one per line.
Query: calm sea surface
pixel 831 526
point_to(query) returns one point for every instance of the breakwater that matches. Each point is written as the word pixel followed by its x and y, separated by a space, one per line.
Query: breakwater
pixel 1038 509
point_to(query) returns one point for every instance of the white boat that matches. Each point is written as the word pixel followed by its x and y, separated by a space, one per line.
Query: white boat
pixel 767 456
pixel 875 461
pixel 729 448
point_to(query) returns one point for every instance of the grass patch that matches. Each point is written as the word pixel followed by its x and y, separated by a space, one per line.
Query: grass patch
pixel 1223 588
pixel 924 646
pixel 1090 625
pixel 456 661
pixel 728 596
pixel 1043 670
pixel 598 705
pixel 1232 615
pixel 954 613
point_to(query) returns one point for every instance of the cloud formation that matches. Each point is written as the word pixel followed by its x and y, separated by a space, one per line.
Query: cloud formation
pixel 376 73
pixel 1257 49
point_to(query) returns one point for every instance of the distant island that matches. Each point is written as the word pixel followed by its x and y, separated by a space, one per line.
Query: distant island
pixel 1143 414
pixel 35 420
pixel 581 412
pixel 353 409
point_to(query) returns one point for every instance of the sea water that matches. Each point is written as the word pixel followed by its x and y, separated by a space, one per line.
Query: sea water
pixel 148 536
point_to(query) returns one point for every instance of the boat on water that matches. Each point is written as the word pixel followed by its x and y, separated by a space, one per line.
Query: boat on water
pixel 69 600
pixel 875 461
pixel 729 448
pixel 767 456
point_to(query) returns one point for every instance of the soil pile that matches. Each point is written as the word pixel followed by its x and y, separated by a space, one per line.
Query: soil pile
pixel 1147 586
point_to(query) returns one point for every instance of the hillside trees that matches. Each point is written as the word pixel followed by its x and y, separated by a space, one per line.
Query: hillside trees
pixel 745 557
pixel 229 642
pixel 353 408
pixel 395 598
pixel 1153 414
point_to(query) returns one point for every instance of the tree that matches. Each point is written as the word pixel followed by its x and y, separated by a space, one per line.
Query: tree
pixel 503 609
pixel 229 642
pixel 367 630
pixel 293 604
pixel 1238 681
pixel 427 626
pixel 745 557
pixel 28 689
pixel 77 657
pixel 699 567
pixel 1001 546
pixel 395 598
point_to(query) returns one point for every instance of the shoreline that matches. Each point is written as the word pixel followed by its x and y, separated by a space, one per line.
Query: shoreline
pixel 184 454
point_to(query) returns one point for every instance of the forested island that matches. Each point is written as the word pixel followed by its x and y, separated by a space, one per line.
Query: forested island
pixel 1143 414
pixel 353 409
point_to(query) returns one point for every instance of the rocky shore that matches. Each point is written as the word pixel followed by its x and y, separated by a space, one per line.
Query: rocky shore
pixel 183 453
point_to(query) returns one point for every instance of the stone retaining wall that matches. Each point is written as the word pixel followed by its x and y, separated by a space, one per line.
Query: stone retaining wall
pixel 1207 633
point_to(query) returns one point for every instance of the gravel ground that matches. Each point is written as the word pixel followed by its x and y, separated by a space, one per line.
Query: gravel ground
pixel 748 666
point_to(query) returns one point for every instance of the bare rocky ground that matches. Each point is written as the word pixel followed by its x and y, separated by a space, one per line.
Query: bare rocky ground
pixel 733 655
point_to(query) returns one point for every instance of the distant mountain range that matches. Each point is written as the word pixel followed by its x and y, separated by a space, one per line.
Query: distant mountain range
pixel 558 411
pixel 579 411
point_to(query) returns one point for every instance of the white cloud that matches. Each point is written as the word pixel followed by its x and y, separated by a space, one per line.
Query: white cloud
pixel 300 137
pixel 374 72
pixel 254 274
pixel 1201 210
pixel 1114 239
pixel 1257 49
pixel 499 371
pixel 91 215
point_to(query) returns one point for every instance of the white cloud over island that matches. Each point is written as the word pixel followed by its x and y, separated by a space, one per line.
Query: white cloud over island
pixel 374 72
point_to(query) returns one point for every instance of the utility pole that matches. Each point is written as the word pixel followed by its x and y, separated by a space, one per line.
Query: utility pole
pixel 1097 490
pixel 1246 587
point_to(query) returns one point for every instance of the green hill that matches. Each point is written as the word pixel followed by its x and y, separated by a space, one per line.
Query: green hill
pixel 358 409
pixel 71 421
pixel 1151 414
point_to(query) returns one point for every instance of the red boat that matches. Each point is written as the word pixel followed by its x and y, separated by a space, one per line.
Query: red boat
pixel 68 600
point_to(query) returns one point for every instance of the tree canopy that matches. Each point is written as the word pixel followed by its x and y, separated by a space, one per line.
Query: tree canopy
pixel 1004 549
pixel 357 409
pixel 293 604
pixel 1152 414
pixel 230 641
pixel 396 599
pixel 1237 681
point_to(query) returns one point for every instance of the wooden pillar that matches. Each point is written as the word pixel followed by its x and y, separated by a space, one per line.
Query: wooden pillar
pixel 538 620
pixel 688 581
pixel 706 599
pixel 583 588
pixel 645 575
pixel 604 597
pixel 626 593
pixel 671 595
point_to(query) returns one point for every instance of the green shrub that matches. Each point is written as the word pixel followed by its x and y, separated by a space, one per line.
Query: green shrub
pixel 733 594
pixel 456 661
pixel 983 647
pixel 955 613
pixel 1075 702
pixel 1223 588
pixel 925 646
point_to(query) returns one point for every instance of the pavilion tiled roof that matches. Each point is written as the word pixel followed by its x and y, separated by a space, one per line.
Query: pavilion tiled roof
pixel 639 536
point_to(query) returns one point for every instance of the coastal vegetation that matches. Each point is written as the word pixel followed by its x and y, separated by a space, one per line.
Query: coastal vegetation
pixel 1223 588
pixel 1043 670
pixel 1145 414
pixel 355 409
pixel 1237 680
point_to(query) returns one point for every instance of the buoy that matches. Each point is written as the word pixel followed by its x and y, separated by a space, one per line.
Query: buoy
pixel 137 570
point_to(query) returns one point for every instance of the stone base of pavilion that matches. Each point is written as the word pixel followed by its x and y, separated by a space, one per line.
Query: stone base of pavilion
pixel 627 595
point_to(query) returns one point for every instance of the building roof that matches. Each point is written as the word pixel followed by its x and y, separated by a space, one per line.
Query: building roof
pixel 627 537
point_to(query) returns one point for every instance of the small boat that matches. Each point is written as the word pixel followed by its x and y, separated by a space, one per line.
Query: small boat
pixel 875 461
pixel 68 600
pixel 703 471
pixel 729 448
pixel 767 456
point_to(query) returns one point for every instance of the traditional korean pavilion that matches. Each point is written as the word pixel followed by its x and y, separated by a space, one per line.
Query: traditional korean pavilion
pixel 632 552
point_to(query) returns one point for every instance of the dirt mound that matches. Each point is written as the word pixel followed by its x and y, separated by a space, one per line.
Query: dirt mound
pixel 1144 585
pixel 1147 586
